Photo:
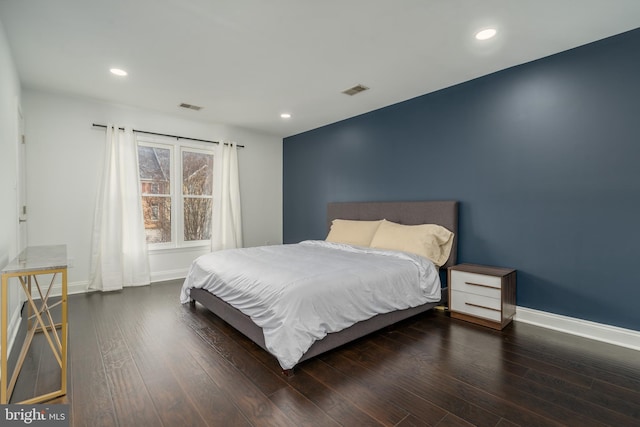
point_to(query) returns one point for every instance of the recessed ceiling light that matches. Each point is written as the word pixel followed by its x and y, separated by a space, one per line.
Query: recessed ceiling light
pixel 285 115
pixel 118 72
pixel 486 34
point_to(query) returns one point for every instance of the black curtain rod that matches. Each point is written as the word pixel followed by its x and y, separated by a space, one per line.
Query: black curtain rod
pixel 170 136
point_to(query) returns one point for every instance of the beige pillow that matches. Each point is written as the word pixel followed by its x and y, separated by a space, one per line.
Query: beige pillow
pixel 352 232
pixel 431 241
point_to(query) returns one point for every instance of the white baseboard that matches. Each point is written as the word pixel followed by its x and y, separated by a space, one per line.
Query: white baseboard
pixel 161 276
pixel 72 288
pixel 597 331
pixel 83 287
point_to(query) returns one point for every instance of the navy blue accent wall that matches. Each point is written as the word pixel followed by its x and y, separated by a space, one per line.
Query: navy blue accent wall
pixel 544 159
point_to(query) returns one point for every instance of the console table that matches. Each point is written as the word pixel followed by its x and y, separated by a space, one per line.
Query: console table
pixel 33 262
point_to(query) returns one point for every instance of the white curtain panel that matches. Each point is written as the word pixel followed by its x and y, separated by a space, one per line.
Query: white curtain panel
pixel 119 255
pixel 227 214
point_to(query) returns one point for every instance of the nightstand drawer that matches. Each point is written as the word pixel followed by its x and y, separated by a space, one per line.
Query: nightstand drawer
pixel 476 305
pixel 479 284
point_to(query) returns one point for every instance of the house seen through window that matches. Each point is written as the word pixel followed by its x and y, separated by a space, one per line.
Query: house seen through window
pixel 177 193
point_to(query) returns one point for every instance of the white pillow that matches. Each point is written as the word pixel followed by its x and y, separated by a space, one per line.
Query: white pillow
pixel 352 232
pixel 431 241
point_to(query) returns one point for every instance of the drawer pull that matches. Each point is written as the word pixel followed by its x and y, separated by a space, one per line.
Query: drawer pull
pixel 482 286
pixel 482 306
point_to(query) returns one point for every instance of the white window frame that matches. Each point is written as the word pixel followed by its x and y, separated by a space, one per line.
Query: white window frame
pixel 177 147
pixel 194 149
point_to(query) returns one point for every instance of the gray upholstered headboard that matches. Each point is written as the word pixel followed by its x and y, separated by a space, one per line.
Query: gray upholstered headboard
pixel 444 213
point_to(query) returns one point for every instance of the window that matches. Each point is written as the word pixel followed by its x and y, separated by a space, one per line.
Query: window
pixel 197 194
pixel 177 192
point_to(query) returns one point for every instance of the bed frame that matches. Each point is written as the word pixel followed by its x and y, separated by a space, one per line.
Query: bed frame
pixel 444 213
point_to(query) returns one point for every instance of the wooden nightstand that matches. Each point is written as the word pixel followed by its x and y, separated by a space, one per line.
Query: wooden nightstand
pixel 482 295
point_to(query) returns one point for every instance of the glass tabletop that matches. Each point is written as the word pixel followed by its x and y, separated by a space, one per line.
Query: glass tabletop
pixel 35 258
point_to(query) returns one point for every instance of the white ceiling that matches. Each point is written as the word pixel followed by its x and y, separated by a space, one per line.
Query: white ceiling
pixel 247 61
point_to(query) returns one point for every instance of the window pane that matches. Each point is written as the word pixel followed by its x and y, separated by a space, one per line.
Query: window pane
pixel 155 170
pixel 157 219
pixel 197 218
pixel 197 173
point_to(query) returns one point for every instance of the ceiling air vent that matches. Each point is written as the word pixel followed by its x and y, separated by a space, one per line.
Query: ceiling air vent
pixel 355 90
pixel 190 107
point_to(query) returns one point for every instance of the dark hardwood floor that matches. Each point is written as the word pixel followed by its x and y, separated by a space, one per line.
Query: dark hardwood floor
pixel 139 358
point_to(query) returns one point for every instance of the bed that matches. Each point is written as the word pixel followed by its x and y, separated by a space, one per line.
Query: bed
pixel 443 213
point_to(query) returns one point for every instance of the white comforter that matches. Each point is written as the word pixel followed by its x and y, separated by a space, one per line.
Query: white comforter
pixel 298 293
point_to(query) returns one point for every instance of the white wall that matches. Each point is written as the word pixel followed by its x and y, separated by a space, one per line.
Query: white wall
pixel 9 102
pixel 65 153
